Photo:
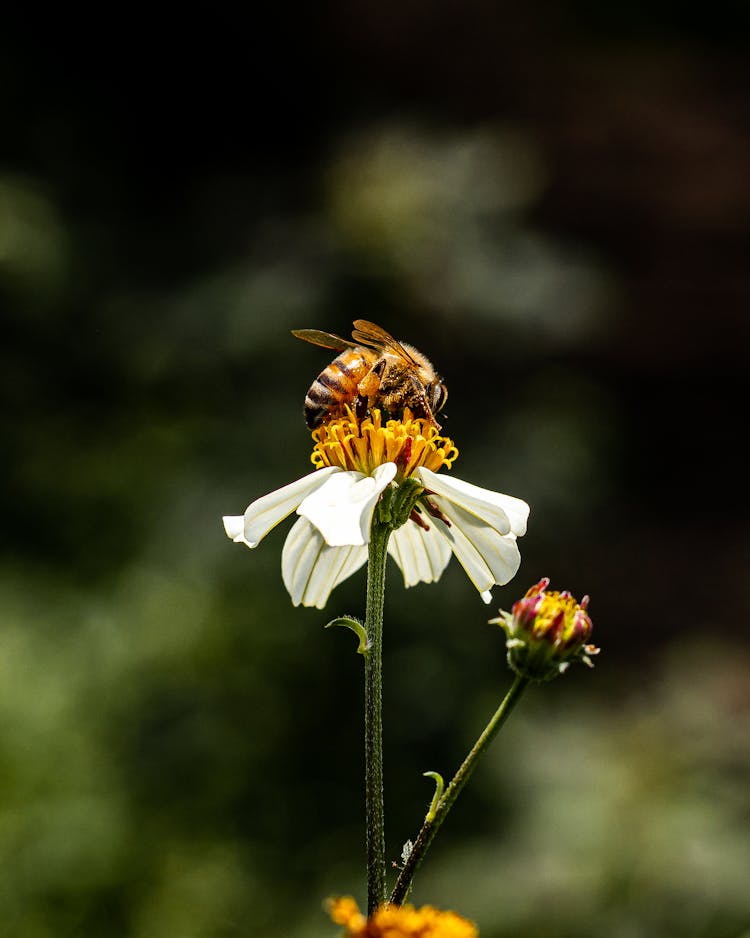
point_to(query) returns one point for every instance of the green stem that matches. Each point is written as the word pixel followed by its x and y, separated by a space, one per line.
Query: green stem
pixel 374 809
pixel 431 826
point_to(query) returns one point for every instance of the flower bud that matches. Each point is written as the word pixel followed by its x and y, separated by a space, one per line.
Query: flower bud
pixel 546 630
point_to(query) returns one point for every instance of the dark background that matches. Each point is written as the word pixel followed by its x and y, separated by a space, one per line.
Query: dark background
pixel 553 202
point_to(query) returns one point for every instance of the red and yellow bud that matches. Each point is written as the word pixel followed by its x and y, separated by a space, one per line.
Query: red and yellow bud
pixel 546 630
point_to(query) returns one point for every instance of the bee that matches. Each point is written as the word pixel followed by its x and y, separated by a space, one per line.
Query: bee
pixel 371 370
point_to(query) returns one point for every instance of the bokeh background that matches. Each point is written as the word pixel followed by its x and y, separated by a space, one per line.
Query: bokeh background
pixel 552 200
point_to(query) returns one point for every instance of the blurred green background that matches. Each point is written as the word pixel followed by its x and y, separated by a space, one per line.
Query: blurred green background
pixel 552 201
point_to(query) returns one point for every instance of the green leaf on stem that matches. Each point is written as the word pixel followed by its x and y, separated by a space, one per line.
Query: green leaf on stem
pixel 439 785
pixel 356 626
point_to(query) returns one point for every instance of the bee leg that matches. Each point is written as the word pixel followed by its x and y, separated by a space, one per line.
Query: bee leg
pixel 370 385
pixel 360 406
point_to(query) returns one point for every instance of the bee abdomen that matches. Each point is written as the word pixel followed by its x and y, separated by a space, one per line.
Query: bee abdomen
pixel 334 387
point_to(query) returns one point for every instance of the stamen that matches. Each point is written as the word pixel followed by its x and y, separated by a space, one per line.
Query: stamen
pixel 417 518
pixel 435 511
pixel 362 445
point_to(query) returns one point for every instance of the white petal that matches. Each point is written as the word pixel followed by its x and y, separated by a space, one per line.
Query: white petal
pixel 504 512
pixel 487 557
pixel 421 555
pixel 335 565
pixel 341 509
pixel 469 558
pixel 234 525
pixel 499 552
pixel 266 512
pixel 310 568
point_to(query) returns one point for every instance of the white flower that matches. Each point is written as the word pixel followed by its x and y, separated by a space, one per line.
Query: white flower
pixel 329 540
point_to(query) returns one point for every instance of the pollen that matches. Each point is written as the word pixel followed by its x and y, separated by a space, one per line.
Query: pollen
pixel 560 618
pixel 363 445
pixel 554 606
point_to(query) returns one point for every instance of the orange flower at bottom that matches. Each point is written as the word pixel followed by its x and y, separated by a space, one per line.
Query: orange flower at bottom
pixel 391 921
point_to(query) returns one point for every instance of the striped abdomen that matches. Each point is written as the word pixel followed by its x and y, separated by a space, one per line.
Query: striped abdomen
pixel 337 385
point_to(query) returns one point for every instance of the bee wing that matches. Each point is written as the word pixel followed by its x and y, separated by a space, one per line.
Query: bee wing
pixel 326 339
pixel 367 333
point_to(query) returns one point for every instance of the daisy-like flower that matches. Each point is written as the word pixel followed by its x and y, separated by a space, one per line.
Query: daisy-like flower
pixel 356 461
pixel 391 921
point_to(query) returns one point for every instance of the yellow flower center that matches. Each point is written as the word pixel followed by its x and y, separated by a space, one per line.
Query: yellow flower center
pixel 363 445
pixel 552 606
pixel 391 921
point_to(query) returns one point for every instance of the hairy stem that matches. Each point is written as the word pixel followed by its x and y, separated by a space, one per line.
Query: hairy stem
pixel 374 807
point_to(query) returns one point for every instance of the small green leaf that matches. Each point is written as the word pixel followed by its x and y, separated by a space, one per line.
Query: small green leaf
pixel 439 785
pixel 356 626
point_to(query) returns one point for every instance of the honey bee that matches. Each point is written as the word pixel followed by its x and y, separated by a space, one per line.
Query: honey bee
pixel 371 370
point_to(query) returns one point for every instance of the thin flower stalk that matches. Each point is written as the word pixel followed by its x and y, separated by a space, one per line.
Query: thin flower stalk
pixel 392 511
pixel 374 800
pixel 435 817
